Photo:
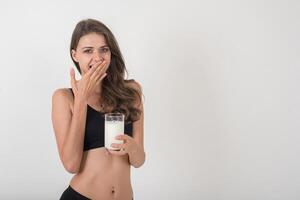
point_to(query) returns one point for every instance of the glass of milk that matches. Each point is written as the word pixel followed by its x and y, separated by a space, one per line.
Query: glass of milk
pixel 114 125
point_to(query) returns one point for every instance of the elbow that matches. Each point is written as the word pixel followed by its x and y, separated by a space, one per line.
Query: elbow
pixel 141 163
pixel 71 165
pixel 71 168
pixel 137 165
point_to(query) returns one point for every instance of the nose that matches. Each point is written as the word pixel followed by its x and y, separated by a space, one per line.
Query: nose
pixel 97 57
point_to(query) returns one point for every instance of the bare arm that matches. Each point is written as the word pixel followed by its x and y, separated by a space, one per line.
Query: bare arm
pixel 69 129
pixel 137 158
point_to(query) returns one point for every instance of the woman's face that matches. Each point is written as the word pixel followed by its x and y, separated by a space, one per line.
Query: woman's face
pixel 91 47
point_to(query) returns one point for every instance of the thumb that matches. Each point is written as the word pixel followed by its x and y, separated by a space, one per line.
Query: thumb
pixel 73 80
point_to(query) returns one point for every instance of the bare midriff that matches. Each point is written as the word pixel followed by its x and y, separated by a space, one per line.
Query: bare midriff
pixel 103 176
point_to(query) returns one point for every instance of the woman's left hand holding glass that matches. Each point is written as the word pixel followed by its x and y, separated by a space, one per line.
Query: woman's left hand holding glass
pixel 129 145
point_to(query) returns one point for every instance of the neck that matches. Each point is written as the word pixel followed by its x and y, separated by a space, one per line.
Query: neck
pixel 95 97
pixel 98 90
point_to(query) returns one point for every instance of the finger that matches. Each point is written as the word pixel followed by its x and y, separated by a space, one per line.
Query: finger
pixel 73 79
pixel 102 71
pixel 93 68
pixel 100 68
pixel 101 78
pixel 118 146
pixel 122 136
pixel 97 72
pixel 104 67
pixel 118 153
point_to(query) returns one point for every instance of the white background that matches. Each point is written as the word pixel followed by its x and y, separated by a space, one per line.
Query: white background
pixel 221 84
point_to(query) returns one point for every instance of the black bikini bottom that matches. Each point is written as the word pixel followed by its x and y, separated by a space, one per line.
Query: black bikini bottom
pixel 71 194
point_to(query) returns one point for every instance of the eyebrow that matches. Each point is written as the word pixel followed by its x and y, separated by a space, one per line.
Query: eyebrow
pixel 93 47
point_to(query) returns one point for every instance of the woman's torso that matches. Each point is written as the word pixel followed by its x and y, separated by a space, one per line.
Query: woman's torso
pixel 103 175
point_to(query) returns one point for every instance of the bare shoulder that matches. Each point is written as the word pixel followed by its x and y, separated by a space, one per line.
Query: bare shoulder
pixel 63 96
pixel 63 93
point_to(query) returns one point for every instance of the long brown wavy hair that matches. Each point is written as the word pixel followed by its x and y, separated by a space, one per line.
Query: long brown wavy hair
pixel 116 94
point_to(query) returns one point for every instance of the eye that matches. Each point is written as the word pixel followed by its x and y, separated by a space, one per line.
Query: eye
pixel 88 51
pixel 104 50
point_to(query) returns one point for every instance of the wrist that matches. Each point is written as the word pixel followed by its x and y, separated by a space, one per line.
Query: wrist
pixel 79 103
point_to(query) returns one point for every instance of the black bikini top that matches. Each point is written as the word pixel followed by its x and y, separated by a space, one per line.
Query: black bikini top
pixel 94 128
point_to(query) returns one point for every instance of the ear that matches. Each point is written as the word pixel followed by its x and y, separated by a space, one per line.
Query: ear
pixel 74 55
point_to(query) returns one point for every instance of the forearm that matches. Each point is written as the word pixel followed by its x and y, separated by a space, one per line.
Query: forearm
pixel 137 158
pixel 73 144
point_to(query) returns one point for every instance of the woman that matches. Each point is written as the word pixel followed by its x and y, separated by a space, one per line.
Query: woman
pixel 78 118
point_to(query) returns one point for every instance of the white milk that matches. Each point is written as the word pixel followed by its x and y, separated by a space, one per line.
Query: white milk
pixel 112 129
